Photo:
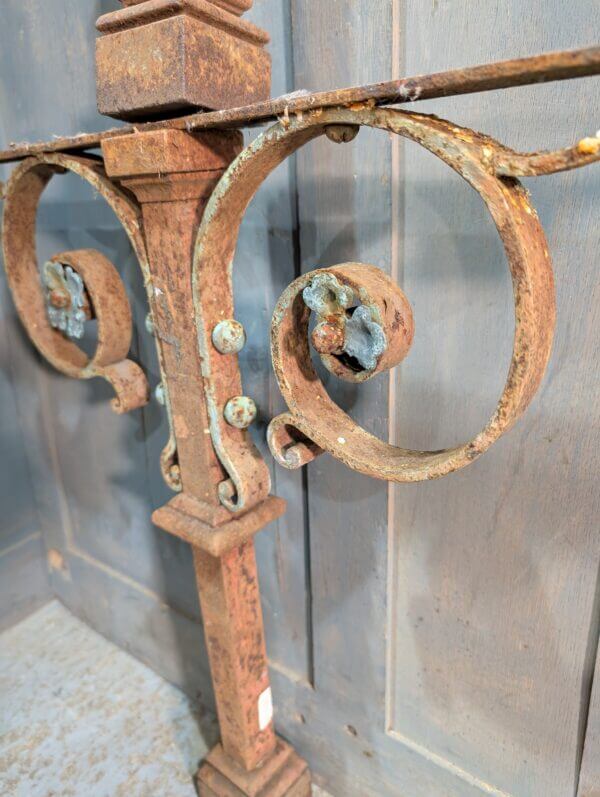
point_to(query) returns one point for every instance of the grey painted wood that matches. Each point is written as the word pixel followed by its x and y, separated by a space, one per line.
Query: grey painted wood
pixel 495 569
pixel 24 582
pixel 589 781
pixel 19 514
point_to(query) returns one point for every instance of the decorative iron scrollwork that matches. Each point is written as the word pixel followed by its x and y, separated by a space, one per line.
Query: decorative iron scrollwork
pixel 75 286
pixel 67 303
pixel 168 169
pixel 364 324
pixel 89 273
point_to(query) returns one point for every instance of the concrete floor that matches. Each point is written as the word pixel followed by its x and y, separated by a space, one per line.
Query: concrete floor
pixel 79 716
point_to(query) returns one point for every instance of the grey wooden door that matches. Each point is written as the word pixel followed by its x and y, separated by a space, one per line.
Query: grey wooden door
pixel 436 640
pixel 457 621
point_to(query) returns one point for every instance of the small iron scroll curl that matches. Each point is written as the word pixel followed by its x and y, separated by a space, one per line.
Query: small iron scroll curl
pixel 85 277
pixel 314 422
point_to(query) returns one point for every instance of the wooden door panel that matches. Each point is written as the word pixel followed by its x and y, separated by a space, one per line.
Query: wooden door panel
pixel 494 569
pixel 589 781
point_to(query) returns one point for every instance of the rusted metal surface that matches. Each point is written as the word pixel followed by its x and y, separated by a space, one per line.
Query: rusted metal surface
pixel 240 411
pixel 507 163
pixel 98 276
pixel 173 198
pixel 229 336
pixel 285 774
pixel 562 65
pixel 22 194
pixel 316 415
pixel 249 480
pixel 232 615
pixel 364 321
pixel 342 134
pixel 188 519
pixel 184 228
pixel 313 415
pixel 161 56
pixel 214 13
pixel 289 446
pixel 225 484
pixel 172 151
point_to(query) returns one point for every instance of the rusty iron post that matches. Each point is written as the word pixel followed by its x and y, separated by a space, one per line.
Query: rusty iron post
pixel 172 174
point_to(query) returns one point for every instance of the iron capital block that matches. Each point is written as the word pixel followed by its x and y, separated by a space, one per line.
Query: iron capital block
pixel 172 56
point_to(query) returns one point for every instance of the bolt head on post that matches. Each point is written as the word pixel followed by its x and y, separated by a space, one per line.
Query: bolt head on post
pixel 229 337
pixel 240 412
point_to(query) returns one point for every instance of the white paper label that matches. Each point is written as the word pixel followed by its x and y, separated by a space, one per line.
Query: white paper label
pixel 265 709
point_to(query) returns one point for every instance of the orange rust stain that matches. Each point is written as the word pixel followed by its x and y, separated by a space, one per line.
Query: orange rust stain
pixel 362 106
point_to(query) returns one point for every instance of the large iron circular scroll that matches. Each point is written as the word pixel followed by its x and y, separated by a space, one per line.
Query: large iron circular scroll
pixel 106 292
pixel 312 411
pixel 100 279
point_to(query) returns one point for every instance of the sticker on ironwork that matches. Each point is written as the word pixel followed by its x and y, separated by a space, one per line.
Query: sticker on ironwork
pixel 265 709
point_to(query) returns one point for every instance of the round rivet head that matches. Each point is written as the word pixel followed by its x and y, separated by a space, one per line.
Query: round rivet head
pixel 59 299
pixel 341 134
pixel 328 338
pixel 240 412
pixel 229 336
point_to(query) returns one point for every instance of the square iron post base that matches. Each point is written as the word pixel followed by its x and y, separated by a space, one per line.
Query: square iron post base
pixel 284 774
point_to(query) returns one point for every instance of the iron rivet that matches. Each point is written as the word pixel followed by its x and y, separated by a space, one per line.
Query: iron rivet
pixel 59 299
pixel 328 337
pixel 229 336
pixel 240 412
pixel 341 134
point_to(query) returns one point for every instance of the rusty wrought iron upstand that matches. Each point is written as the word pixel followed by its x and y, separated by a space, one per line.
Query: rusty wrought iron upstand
pixel 180 187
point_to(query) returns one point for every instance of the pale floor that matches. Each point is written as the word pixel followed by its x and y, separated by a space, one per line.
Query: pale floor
pixel 80 717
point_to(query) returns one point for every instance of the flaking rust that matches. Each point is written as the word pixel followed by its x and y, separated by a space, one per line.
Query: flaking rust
pixel 166 56
pixel 562 65
pixel 158 183
pixel 365 323
pixel 180 187
pixel 312 412
pixel 101 281
pixel 314 423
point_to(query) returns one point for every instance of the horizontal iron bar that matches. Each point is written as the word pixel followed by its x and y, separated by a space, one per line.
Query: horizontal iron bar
pixel 543 68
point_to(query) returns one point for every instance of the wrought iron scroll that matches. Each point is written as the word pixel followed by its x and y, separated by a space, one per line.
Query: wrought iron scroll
pixel 314 422
pixel 364 322
pixel 38 297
